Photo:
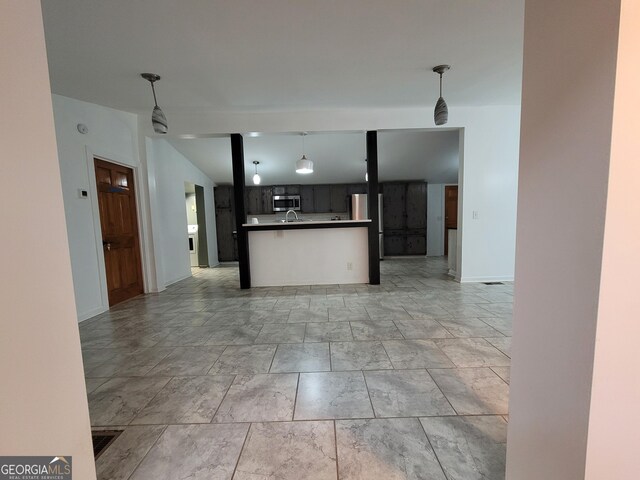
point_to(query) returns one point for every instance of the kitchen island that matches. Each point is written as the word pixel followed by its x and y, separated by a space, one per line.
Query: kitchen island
pixel 308 253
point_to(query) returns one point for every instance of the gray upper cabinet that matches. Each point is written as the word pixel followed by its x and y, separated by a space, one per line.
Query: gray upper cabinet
pixel 253 198
pixel 338 198
pixel 306 199
pixel 267 200
pixel 416 206
pixel 394 206
pixel 322 198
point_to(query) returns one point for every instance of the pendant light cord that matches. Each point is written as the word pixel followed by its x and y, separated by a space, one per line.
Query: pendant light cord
pixel 441 85
pixel 154 94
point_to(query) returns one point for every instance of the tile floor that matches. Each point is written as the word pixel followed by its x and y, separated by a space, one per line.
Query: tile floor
pixel 406 380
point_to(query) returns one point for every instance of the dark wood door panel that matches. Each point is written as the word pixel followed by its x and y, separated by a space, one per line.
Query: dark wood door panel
pixel 119 224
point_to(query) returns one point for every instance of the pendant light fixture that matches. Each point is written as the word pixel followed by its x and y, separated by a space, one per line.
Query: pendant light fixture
pixel 441 112
pixel 256 177
pixel 304 165
pixel 366 170
pixel 158 119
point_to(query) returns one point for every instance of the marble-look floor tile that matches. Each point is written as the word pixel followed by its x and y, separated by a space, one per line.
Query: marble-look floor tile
pixel 499 308
pixel 301 357
pixel 186 400
pixel 468 327
pixel 406 393
pixel 466 309
pixel 288 451
pixel 186 361
pixel 429 311
pixel 469 448
pixel 504 324
pixel 186 337
pixel 416 354
pixel 281 333
pixel 473 391
pixel 387 313
pixel 359 356
pixel 422 329
pixel 122 457
pixel 472 352
pixel 501 343
pixel 293 303
pixel 389 449
pixel 259 398
pixel 318 314
pixel 92 383
pixel 119 400
pixel 503 372
pixel 328 332
pixel 356 313
pixel 331 395
pixel 244 359
pixel 194 452
pixel 233 335
pixel 380 330
pixel 132 364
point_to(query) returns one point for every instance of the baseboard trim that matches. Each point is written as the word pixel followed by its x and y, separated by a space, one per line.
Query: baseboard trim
pixel 499 278
pixel 91 313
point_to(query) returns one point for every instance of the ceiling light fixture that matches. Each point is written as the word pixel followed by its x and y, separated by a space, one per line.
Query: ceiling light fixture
pixel 158 119
pixel 304 165
pixel 256 177
pixel 441 112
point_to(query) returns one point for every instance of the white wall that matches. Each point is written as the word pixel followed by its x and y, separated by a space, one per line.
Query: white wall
pixel 566 140
pixel 614 417
pixel 169 170
pixel 112 136
pixel 488 166
pixel 43 402
pixel 115 136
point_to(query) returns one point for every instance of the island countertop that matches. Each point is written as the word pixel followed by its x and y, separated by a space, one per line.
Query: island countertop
pixel 305 225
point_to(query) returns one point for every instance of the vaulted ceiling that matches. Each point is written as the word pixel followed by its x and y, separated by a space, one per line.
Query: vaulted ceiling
pixel 283 55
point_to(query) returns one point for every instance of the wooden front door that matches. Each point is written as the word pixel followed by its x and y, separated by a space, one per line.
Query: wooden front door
pixel 450 213
pixel 119 222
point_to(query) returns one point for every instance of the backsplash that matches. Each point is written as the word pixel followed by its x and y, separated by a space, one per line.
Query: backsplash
pixel 318 217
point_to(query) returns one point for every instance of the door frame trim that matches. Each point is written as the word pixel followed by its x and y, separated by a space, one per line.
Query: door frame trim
pixel 110 157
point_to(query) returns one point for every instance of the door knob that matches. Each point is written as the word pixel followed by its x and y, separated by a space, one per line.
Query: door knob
pixel 107 244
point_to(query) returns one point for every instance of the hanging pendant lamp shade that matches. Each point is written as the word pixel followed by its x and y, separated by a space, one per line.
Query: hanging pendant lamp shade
pixel 304 166
pixel 441 112
pixel 256 177
pixel 158 119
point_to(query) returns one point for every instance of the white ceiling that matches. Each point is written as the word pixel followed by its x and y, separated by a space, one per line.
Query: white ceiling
pixel 431 156
pixel 253 55
pixel 279 55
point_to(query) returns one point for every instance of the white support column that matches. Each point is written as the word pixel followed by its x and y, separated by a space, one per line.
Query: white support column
pixel 43 402
pixel 575 389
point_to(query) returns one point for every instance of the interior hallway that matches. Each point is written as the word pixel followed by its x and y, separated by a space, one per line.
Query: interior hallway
pixel 408 379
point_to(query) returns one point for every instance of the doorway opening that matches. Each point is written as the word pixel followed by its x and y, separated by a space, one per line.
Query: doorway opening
pixel 196 225
pixel 120 236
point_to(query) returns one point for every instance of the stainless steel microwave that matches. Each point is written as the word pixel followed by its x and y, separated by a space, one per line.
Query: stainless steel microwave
pixel 284 203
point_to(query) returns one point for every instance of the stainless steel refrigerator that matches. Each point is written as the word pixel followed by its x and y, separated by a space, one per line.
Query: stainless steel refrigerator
pixel 360 211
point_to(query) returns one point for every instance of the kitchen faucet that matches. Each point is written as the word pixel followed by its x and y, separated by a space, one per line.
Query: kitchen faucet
pixel 286 217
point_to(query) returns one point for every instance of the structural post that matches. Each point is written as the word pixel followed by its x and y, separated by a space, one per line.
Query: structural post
pixel 374 215
pixel 237 159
